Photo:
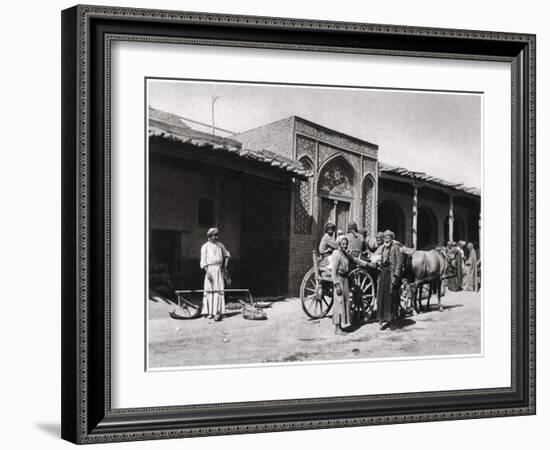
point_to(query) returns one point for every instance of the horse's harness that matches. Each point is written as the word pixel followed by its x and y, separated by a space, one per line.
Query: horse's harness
pixel 428 279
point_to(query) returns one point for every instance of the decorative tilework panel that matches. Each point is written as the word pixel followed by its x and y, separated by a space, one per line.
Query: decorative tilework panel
pixel 302 203
pixel 305 147
pixel 336 179
pixel 337 139
pixel 368 205
pixel 370 166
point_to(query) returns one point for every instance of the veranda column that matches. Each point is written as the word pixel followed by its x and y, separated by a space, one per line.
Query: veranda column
pixel 415 216
pixel 451 218
pixel 479 231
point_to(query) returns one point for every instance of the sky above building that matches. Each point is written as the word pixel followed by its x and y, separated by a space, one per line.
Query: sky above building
pixel 433 132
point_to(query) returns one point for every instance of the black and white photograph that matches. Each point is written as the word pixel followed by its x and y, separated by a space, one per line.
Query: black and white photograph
pixel 275 225
pixel 298 224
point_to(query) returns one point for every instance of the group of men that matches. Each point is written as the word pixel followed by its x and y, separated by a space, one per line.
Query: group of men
pixel 464 263
pixel 341 253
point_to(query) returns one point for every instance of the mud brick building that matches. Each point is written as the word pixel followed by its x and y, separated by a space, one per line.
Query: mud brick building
pixel 271 189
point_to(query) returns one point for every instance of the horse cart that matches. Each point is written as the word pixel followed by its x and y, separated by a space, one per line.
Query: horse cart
pixel 316 291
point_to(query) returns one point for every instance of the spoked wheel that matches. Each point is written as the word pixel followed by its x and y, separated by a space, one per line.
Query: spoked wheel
pixel 316 295
pixel 364 296
pixel 186 310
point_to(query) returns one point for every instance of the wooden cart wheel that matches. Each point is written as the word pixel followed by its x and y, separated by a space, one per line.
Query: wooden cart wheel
pixel 364 297
pixel 316 295
pixel 186 310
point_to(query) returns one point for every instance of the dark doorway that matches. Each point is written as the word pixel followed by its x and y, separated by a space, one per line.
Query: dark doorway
pixel 336 211
pixel 458 230
pixel 427 229
pixel 391 217
pixel 265 238
pixel 164 248
pixel 342 216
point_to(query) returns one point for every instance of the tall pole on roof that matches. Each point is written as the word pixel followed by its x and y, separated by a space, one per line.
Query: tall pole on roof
pixel 214 98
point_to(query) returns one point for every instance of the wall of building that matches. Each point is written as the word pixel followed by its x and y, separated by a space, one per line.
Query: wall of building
pixel 253 216
pixel 175 190
pixel 276 137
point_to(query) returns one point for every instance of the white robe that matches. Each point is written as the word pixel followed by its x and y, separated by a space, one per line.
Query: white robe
pixel 212 258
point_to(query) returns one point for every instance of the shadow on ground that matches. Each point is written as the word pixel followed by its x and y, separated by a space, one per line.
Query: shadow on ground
pixel 53 429
pixel 402 323
pixel 446 307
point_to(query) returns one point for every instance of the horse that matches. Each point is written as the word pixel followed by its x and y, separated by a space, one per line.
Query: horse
pixel 425 268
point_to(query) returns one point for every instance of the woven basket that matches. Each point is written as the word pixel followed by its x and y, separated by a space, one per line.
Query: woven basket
pixel 254 314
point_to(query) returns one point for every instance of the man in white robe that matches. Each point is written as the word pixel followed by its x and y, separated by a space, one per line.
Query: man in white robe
pixel 214 259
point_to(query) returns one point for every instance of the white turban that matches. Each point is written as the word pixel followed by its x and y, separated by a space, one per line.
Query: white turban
pixel 212 231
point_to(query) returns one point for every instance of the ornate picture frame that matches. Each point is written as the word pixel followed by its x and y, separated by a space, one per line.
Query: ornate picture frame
pixel 88 33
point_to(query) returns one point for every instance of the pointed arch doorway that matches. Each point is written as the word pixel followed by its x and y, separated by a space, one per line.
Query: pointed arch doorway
pixel 335 189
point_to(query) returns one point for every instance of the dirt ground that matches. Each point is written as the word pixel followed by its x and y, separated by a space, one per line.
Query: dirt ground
pixel 289 335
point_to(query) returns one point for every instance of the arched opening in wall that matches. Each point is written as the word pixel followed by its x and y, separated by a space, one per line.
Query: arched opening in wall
pixel 335 187
pixel 459 232
pixel 474 225
pixel 368 205
pixel 426 229
pixel 391 217
pixel 303 201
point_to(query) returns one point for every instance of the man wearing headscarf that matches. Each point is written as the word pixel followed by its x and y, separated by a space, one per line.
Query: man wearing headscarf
pixel 379 240
pixel 343 262
pixel 214 260
pixel 356 240
pixel 374 246
pixel 328 241
pixel 454 282
pixel 471 282
pixel 389 281
pixel 461 247
pixel 341 267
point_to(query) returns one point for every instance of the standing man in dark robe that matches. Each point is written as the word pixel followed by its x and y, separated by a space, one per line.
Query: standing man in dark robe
pixel 471 283
pixel 461 248
pixel 454 283
pixel 389 282
pixel 356 240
